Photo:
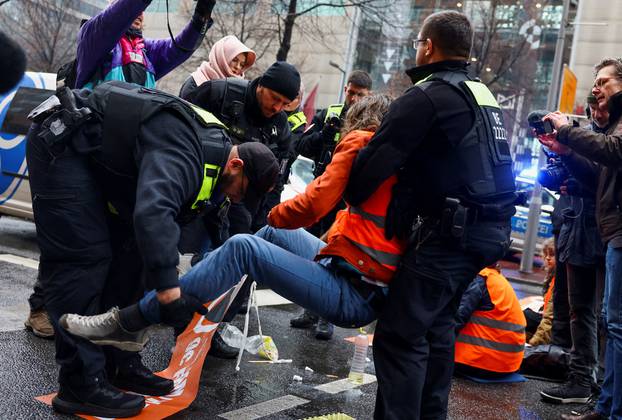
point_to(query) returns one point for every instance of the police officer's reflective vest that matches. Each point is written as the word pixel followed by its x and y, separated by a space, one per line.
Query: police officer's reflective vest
pixel 478 168
pixel 124 107
pixel 297 120
pixel 494 340
pixel 334 110
pixel 363 226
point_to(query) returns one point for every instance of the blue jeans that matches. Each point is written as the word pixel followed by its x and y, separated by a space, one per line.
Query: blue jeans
pixel 610 400
pixel 283 261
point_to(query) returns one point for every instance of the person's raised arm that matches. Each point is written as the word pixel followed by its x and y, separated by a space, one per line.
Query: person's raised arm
pixel 98 36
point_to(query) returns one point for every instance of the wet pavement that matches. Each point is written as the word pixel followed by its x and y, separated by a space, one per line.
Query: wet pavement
pixel 29 369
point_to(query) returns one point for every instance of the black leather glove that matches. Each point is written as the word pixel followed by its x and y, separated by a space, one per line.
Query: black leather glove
pixel 180 312
pixel 330 129
pixel 204 8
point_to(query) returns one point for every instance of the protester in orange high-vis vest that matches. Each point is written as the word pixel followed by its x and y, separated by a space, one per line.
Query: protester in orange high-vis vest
pixel 357 235
pixel 490 327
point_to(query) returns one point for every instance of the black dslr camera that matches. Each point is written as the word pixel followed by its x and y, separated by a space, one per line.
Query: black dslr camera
pixel 535 121
pixel 554 174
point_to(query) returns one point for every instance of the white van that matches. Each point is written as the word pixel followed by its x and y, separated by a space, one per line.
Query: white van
pixel 15 106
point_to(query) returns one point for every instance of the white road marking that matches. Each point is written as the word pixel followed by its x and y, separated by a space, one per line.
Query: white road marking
pixel 265 408
pixel 341 385
pixel 14 259
pixel 266 297
pixel 12 317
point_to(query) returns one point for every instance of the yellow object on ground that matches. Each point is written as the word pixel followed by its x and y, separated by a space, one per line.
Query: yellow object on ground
pixel 333 416
pixel 268 350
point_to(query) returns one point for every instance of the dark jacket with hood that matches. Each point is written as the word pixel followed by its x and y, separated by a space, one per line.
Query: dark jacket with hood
pixel 597 161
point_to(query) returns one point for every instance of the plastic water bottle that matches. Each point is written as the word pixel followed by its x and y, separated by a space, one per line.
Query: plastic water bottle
pixel 232 336
pixel 357 369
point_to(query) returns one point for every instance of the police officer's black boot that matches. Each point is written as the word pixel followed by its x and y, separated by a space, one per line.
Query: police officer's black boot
pixel 98 398
pixel 132 375
pixel 324 330
pixel 305 320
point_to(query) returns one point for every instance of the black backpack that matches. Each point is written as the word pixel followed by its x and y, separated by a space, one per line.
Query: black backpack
pixel 66 74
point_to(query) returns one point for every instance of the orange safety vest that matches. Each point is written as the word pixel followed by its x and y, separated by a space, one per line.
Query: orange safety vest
pixel 357 235
pixel 494 340
pixel 548 295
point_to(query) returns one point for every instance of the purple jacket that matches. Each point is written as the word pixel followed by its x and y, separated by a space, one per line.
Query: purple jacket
pixel 98 43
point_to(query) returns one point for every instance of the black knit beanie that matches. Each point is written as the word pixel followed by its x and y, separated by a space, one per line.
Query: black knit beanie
pixel 283 78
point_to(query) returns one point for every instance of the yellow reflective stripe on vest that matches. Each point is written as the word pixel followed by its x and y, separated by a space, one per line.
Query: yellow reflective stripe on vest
pixel 334 109
pixel 495 323
pixel 297 119
pixel 379 221
pixel 494 345
pixel 209 182
pixel 481 93
pixel 207 117
pixel 385 258
pixel 424 79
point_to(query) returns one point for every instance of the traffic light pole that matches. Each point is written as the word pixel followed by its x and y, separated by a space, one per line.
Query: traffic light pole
pixel 533 219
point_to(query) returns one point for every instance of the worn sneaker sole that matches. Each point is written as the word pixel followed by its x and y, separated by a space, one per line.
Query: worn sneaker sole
pixel 38 333
pixel 559 400
pixel 130 346
pixel 68 407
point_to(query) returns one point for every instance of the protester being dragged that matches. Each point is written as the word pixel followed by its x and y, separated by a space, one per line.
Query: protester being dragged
pixel 111 45
pixel 318 144
pixel 346 283
pixel 595 159
pixel 229 57
pixel 490 328
pixel 539 323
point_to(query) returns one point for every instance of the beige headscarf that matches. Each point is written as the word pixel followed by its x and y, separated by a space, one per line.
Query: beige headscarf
pixel 221 54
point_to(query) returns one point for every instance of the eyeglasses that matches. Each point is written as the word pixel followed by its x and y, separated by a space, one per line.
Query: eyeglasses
pixel 602 81
pixel 417 41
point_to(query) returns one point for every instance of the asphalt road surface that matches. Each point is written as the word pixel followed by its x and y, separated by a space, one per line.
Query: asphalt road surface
pixel 257 391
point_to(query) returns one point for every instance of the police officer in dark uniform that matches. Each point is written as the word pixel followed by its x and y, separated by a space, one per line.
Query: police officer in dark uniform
pixel 318 144
pixel 446 141
pixel 253 111
pixel 114 172
pixel 320 139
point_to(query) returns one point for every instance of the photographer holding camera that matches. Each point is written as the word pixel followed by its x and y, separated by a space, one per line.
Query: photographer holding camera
pixel 579 255
pixel 594 159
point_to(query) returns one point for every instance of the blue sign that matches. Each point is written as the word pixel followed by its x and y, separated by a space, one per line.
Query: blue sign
pixel 13 146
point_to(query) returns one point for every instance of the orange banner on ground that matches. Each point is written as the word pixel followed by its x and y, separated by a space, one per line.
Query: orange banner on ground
pixel 186 362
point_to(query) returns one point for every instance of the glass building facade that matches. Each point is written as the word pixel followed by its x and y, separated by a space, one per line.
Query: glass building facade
pixel 513 51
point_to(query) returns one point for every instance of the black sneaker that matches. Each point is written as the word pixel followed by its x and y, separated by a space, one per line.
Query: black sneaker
pixel 105 330
pixel 136 377
pixel 221 349
pixel 566 393
pixel 324 330
pixel 305 320
pixel 100 400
